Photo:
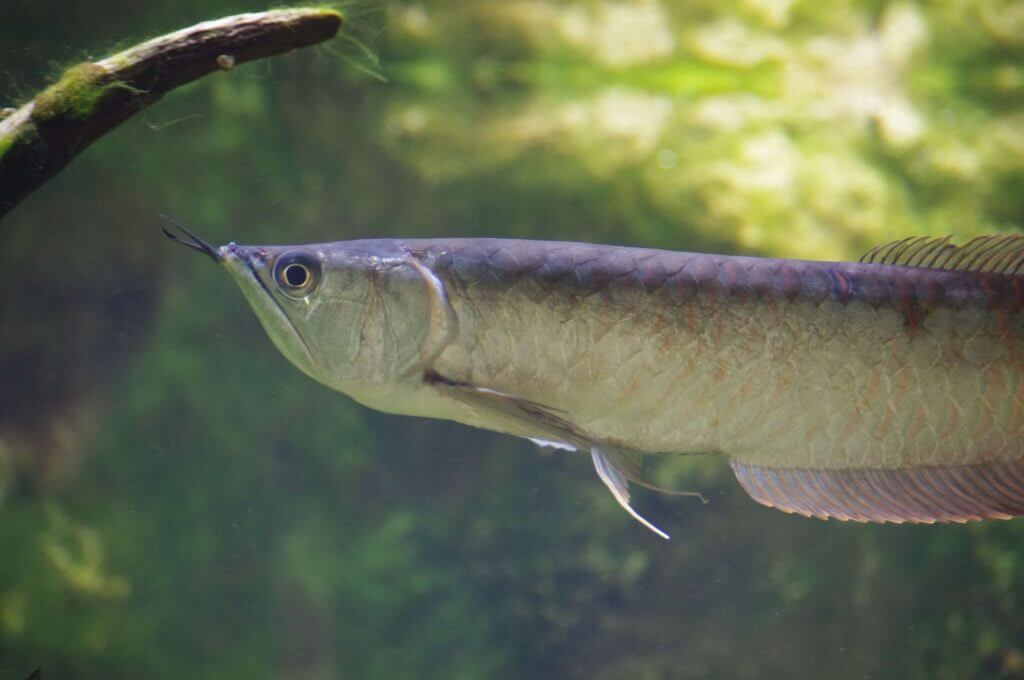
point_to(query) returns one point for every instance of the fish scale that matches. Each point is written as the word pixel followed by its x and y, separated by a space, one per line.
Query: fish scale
pixel 865 325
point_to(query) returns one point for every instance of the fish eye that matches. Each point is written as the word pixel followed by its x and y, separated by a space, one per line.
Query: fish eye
pixel 297 274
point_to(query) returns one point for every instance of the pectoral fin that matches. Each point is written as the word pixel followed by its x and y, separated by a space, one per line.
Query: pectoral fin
pixel 522 416
pixel 548 427
pixel 548 444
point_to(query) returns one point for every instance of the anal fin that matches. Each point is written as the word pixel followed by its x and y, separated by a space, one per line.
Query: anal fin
pixel 925 494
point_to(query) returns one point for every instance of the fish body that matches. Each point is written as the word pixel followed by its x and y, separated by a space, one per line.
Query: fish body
pixel 876 391
pixel 774 362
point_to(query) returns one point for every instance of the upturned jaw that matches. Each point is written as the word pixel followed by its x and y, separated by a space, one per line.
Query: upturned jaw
pixel 250 267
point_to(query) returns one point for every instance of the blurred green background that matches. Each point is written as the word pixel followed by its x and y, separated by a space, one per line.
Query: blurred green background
pixel 178 501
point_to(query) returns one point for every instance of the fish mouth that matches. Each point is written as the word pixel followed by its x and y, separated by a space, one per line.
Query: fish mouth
pixel 246 264
pixel 249 266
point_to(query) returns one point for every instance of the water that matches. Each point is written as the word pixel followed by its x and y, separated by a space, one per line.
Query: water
pixel 178 500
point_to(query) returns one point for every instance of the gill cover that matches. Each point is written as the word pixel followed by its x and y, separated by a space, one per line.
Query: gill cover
pixel 369 313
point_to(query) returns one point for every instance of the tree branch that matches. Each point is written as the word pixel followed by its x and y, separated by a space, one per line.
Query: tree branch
pixel 39 139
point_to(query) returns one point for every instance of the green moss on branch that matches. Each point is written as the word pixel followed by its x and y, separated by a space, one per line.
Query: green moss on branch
pixel 74 95
pixel 43 136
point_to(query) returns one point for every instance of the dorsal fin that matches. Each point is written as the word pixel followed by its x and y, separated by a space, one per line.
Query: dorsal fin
pixel 998 253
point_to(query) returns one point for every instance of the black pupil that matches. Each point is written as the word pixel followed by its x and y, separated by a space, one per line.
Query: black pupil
pixel 296 275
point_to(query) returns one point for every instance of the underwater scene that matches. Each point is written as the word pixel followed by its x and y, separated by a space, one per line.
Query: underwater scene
pixel 271 459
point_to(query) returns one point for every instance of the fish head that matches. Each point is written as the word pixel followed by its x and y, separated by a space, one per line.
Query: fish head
pixel 354 315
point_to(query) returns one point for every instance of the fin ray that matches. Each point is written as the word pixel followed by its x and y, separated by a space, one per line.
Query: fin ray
pixel 630 463
pixel 551 444
pixel 619 487
pixel 960 493
pixel 997 253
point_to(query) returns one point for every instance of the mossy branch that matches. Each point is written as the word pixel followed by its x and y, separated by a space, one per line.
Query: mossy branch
pixel 39 139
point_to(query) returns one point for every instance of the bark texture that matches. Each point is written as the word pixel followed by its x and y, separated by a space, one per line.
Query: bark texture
pixel 41 137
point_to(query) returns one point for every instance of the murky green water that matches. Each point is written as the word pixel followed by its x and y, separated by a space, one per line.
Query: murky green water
pixel 178 501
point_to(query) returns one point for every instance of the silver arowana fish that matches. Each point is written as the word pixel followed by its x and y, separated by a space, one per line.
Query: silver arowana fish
pixel 885 390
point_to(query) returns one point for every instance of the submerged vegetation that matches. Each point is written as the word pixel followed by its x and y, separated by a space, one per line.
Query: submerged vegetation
pixel 177 500
pixel 74 94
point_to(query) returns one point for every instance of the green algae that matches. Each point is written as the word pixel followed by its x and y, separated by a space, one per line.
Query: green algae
pixel 75 94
